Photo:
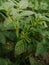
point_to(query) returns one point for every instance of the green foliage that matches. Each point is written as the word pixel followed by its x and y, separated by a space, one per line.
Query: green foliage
pixel 24 32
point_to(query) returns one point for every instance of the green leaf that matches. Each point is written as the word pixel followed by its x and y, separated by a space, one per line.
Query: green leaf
pixel 33 61
pixel 2 1
pixel 15 14
pixel 23 4
pixel 7 5
pixel 4 62
pixel 27 13
pixel 41 49
pixel 43 5
pixel 10 35
pixel 8 23
pixel 2 38
pixel 20 47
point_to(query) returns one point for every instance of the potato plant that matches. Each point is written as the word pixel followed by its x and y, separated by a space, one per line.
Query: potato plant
pixel 24 32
